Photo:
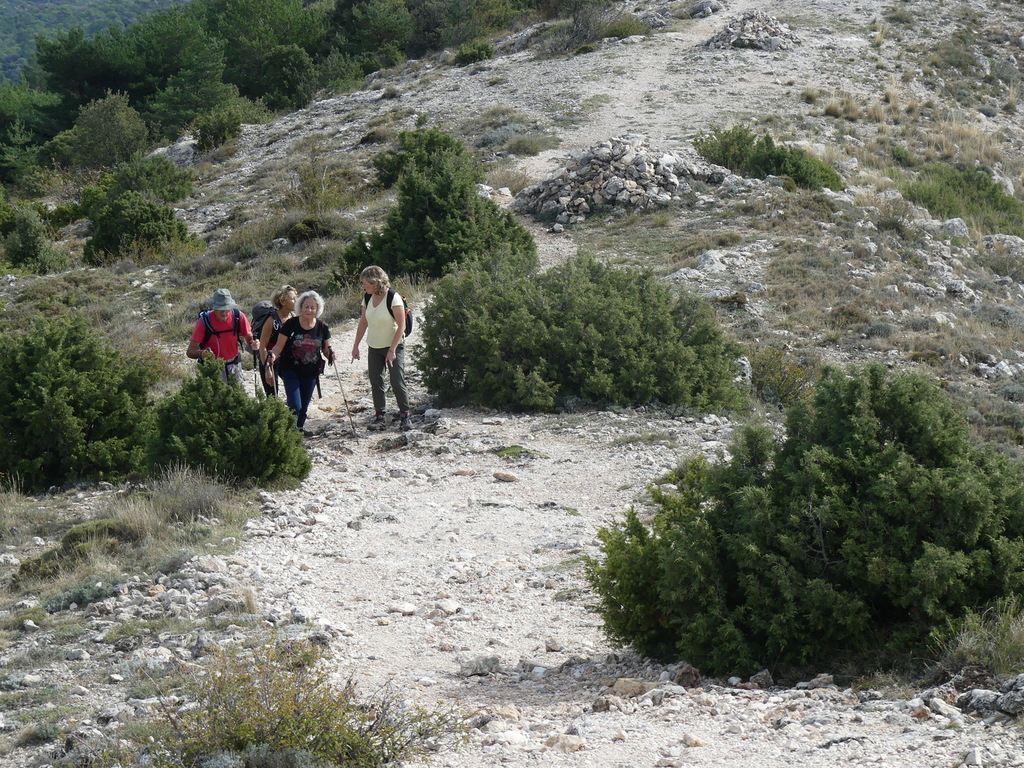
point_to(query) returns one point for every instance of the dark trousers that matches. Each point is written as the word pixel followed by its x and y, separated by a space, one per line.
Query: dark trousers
pixel 376 361
pixel 298 392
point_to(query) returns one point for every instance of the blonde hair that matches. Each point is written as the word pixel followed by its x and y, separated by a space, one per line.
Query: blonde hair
pixel 378 277
pixel 311 295
pixel 275 297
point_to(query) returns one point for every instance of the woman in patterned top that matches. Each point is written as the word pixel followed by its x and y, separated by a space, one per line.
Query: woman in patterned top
pixel 300 343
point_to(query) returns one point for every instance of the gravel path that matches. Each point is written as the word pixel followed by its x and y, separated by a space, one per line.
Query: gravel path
pixel 432 557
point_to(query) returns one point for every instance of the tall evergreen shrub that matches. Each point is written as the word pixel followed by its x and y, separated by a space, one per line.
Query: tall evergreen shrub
pixel 501 336
pixel 439 219
pixel 71 406
pixel 875 521
pixel 215 426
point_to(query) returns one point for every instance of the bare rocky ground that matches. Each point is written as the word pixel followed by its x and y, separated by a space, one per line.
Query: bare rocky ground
pixel 433 563
pixel 454 575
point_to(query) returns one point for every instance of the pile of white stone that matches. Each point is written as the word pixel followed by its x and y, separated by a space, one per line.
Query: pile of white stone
pixel 621 173
pixel 754 29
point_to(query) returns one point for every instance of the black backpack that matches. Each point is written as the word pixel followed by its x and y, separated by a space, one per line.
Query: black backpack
pixel 262 312
pixel 409 319
pixel 205 317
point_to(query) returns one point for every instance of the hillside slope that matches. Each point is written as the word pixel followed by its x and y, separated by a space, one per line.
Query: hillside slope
pixel 439 564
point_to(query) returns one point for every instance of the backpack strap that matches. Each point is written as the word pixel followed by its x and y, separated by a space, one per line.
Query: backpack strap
pixel 208 325
pixel 390 300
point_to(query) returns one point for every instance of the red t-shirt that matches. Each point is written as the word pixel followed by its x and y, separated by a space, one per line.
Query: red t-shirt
pixel 225 343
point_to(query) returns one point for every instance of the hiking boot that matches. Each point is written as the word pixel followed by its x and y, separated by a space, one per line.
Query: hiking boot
pixel 377 424
pixel 406 423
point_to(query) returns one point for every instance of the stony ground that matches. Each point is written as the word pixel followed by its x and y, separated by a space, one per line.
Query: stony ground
pixel 450 568
pixel 453 573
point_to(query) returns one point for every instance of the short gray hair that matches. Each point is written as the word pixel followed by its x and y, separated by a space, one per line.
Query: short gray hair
pixel 311 295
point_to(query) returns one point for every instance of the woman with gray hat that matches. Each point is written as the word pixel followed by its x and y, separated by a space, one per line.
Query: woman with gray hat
pixel 217 332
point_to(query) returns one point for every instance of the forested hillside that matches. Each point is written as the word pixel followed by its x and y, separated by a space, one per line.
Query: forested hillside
pixel 217 63
pixel 24 19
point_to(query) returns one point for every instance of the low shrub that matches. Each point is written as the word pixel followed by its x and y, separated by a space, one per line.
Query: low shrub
pixel 873 522
pixel 216 427
pixel 500 336
pixel 128 209
pixel 970 194
pixel 276 706
pixel 29 245
pixel 740 151
pixel 472 52
pixel 105 536
pixel 778 379
pixel 131 222
pixel 218 127
pixel 626 25
pixel 73 407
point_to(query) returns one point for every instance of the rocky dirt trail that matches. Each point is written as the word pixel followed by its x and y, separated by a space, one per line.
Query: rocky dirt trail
pixel 446 564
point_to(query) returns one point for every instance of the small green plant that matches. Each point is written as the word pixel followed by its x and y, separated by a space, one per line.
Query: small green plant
pixel 439 218
pixel 251 440
pixel 739 150
pixel 517 452
pixel 81 596
pixel 470 53
pixel 275 704
pixel 778 379
pixel 28 243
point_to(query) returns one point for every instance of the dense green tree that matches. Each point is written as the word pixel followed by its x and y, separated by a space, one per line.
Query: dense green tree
pixel 73 408
pixel 259 35
pixel 370 26
pixel 23 21
pixel 108 131
pixel 873 522
pixel 439 24
pixel 28 118
pixel 197 88
pixel 286 77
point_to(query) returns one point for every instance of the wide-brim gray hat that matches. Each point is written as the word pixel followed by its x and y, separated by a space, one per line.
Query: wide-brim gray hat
pixel 222 299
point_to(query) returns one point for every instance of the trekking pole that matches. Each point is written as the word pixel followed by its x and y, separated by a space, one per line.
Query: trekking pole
pixel 348 410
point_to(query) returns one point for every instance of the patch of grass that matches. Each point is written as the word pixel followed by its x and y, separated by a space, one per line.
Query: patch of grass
pixel 992 640
pixel 145 628
pixel 278 698
pixel 626 25
pixel 971 194
pixel 512 178
pixel 647 438
pixel 517 452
